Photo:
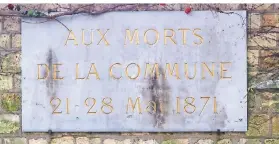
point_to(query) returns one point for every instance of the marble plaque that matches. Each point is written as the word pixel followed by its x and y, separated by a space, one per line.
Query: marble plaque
pixel 163 71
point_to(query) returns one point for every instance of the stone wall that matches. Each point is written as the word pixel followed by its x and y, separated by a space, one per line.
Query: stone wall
pixel 263 83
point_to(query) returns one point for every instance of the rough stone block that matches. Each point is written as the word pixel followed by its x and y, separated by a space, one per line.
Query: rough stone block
pixel 258 125
pixel 95 141
pixel 9 123
pixel 10 102
pixel 38 141
pixel 249 141
pixel 271 141
pixel 63 140
pixel 6 82
pixel 269 20
pixel 224 141
pixel 11 63
pixel 176 141
pixel 255 20
pixel 269 60
pixel 15 141
pixel 5 41
pixel 205 141
pixel 12 24
pixel 82 140
pixel 253 58
pixel 16 40
pixel 262 40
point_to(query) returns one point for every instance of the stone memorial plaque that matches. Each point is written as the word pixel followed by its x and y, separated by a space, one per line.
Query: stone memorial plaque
pixel 162 71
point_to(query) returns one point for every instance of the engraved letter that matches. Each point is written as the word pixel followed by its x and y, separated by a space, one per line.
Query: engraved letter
pixel 210 71
pixel 145 37
pixel 184 34
pixel 94 71
pixel 130 37
pixel 170 37
pixel 47 70
pixel 110 71
pixel 224 70
pixel 138 73
pixel 186 71
pixel 55 71
pixel 71 36
pixel 103 37
pixel 197 35
pixel 77 77
pixel 175 67
pixel 130 102
pixel 83 39
pixel 155 68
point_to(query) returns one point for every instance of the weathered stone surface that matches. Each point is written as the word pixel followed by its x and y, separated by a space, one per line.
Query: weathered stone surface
pixel 9 123
pixel 204 141
pixel 12 24
pixel 113 141
pixel 214 49
pixel 258 125
pixel 5 41
pixel 16 40
pixel 224 141
pixel 270 20
pixel 15 141
pixel 63 140
pixel 38 141
pixel 10 102
pixel 82 140
pixel 95 141
pixel 255 21
pixel 146 142
pixel 263 40
pixel 271 141
pixel 6 82
pixel 11 63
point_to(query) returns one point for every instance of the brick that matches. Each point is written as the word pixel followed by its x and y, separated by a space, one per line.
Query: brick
pixel 269 20
pixel 82 140
pixel 11 63
pixel 95 141
pixel 5 41
pixel 9 123
pixel 10 102
pixel 255 20
pixel 6 82
pixel 249 141
pixel 224 141
pixel 271 141
pixel 176 141
pixel 263 40
pixel 38 141
pixel 269 60
pixel 12 24
pixel 258 125
pixel 63 140
pixel 205 141
pixel 253 58
pixel 16 40
pixel 15 141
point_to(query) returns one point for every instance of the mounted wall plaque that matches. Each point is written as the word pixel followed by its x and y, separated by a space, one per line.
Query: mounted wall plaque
pixel 162 71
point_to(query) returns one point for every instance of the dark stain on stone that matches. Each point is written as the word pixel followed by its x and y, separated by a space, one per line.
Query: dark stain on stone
pixel 159 94
pixel 51 84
